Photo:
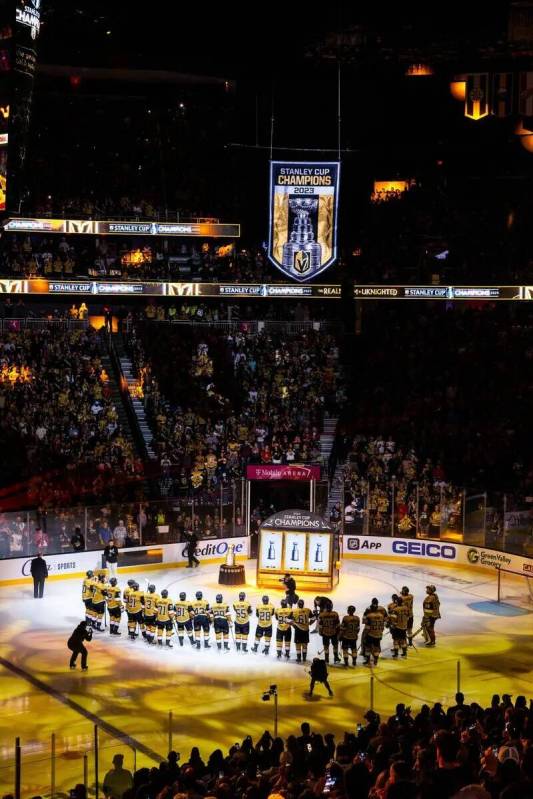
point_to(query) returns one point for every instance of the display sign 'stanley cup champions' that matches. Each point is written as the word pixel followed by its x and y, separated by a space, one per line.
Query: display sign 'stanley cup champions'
pixel 303 217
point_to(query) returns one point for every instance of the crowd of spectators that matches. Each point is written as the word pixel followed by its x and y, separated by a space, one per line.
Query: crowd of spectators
pixel 465 751
pixel 439 405
pixel 466 232
pixel 460 231
pixel 57 421
pixel 59 257
pixel 238 398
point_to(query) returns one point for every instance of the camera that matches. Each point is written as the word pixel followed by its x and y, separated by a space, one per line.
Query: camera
pixel 273 688
pixel 266 697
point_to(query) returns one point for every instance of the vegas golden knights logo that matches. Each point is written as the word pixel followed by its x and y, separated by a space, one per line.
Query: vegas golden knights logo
pixel 302 262
pixel 84 226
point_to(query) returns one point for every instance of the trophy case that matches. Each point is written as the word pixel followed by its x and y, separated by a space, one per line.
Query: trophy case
pixel 299 543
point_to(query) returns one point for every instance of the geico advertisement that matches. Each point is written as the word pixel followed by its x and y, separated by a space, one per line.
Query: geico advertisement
pixel 461 554
pixel 402 547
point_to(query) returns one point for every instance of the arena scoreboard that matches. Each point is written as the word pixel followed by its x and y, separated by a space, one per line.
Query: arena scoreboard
pixel 299 543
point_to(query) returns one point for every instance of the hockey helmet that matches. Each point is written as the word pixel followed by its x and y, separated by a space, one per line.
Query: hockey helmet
pixel 405 590
pixel 131 583
pixel 329 605
pixel 199 595
pixel 242 596
pixel 351 609
pixel 151 588
pixel 265 600
pixel 113 581
pixel 90 573
pixel 164 593
pixel 300 603
pixel 283 603
pixel 101 577
pixel 183 596
pixel 135 586
pixel 430 589
pixel 395 598
pixel 219 598
pixel 374 603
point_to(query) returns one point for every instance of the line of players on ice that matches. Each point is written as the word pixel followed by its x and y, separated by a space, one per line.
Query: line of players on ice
pixel 156 617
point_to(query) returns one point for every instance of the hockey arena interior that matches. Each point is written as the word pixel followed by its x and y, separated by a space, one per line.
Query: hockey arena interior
pixel 266 483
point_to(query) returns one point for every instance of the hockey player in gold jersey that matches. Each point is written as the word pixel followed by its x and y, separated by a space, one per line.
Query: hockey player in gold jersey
pixel 328 627
pixel 114 606
pixel 165 613
pixel 283 630
pixel 399 619
pixel 201 619
pixel 150 601
pixel 243 611
pixel 221 621
pixel 431 608
pixel 134 608
pixel 302 618
pixel 183 618
pixel 265 614
pixel 87 595
pixel 98 601
pixel 407 600
pixel 374 619
pixel 349 631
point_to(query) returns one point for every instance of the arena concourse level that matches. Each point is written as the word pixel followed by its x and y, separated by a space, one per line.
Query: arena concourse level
pixel 213 697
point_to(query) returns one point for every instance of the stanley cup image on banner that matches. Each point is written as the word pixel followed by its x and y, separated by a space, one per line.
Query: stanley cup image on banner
pixel 303 217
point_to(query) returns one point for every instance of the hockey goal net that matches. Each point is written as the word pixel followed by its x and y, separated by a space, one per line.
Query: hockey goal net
pixel 514 588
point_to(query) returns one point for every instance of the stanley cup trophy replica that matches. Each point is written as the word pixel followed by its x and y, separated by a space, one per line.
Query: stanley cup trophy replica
pixel 302 253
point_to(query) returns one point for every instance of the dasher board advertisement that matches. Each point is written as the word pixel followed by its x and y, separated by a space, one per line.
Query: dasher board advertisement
pixel 295 551
pixel 304 196
pixel 319 544
pixel 270 556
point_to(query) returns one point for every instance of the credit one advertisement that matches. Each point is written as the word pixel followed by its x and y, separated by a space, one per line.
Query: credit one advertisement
pixel 304 198
pixel 89 227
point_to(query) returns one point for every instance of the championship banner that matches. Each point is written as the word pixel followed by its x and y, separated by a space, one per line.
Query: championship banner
pixel 302 240
pixel 477 95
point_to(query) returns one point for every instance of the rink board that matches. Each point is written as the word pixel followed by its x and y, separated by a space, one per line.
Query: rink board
pixel 14 571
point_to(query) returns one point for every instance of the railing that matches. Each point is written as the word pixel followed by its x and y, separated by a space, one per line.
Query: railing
pixel 498 520
pixel 97 214
pixel 243 325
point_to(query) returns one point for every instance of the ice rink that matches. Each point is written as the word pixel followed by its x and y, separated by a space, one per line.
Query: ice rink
pixel 216 698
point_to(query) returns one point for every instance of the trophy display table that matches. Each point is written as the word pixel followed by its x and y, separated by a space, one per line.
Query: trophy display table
pixel 231 575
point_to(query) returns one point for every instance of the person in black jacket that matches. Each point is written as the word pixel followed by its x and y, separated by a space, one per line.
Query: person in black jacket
pixel 319 673
pixel 39 572
pixel 290 590
pixel 77 541
pixel 192 541
pixel 75 644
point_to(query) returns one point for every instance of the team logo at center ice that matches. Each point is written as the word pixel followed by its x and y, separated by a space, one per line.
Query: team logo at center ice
pixel 303 217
